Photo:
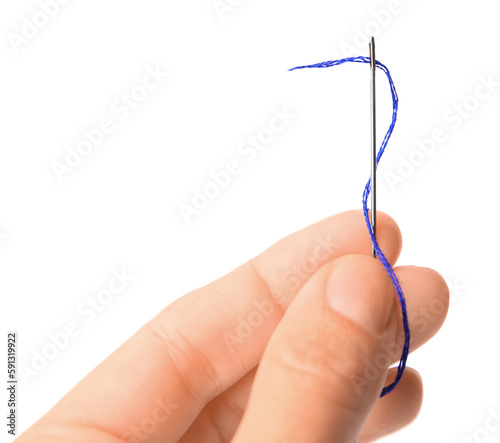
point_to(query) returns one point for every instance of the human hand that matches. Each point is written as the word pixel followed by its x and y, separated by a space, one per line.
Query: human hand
pixel 293 346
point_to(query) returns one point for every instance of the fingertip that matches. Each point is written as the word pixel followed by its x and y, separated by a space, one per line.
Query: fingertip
pixel 440 285
pixel 427 299
pixel 389 236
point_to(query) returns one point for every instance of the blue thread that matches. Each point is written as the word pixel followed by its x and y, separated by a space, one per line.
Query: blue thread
pixel 366 193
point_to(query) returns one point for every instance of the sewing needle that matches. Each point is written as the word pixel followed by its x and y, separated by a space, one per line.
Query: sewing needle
pixel 373 146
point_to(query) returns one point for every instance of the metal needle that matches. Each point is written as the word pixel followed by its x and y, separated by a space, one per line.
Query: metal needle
pixel 373 146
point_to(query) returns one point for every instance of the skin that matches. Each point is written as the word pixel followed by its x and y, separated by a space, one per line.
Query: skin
pixel 293 346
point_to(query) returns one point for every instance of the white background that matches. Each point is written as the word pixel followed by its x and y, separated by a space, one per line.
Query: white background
pixel 119 208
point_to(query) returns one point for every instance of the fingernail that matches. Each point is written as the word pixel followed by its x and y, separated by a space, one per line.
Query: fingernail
pixel 359 289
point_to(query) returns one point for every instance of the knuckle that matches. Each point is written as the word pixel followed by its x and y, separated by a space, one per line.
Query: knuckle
pixel 188 362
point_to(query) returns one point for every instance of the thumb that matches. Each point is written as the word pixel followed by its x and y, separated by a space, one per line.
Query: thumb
pixel 320 375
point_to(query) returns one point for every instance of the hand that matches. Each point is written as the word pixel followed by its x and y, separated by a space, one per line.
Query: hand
pixel 294 346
